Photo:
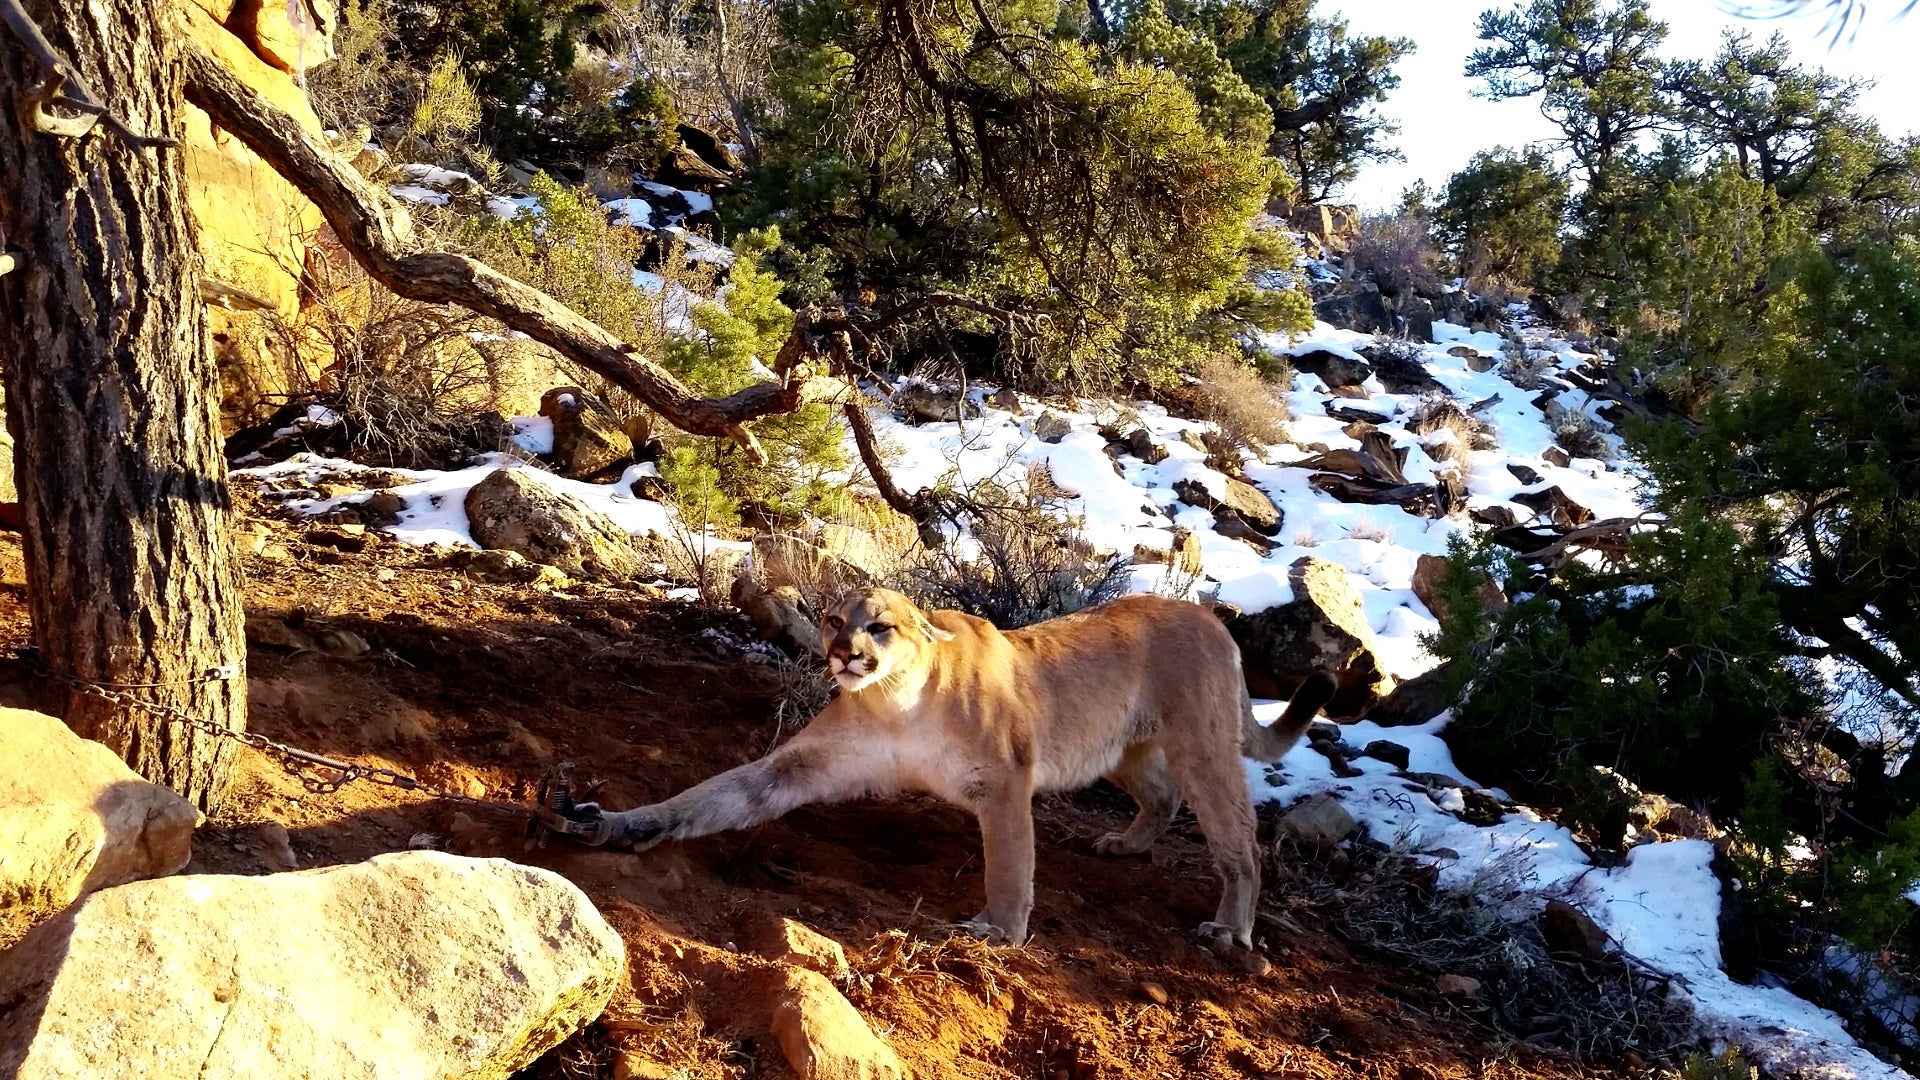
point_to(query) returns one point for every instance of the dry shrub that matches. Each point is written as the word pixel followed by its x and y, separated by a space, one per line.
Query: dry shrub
pixel 1381 901
pixel 409 386
pixel 1369 532
pixel 1245 408
pixel 1524 368
pixel 1577 433
pixel 1435 413
pixel 1398 252
pixel 1027 561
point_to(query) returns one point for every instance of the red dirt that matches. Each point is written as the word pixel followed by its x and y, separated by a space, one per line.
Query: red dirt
pixel 487 686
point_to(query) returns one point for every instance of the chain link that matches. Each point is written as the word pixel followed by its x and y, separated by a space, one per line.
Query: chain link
pixel 317 773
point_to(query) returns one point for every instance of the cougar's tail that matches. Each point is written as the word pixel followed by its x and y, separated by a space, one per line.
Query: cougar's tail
pixel 1270 744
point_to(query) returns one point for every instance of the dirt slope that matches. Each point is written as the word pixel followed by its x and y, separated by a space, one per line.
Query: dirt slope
pixel 483 687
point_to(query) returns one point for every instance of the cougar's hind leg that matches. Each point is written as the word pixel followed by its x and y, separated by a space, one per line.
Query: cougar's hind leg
pixel 1142 773
pixel 1214 781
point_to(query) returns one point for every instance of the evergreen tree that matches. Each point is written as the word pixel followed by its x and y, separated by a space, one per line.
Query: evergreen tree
pixel 1594 65
pixel 1501 218
pixel 1323 84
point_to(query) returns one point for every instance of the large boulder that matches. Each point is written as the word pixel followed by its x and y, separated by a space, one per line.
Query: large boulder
pixel 74 818
pixel 1332 368
pixel 418 964
pixel 588 438
pixel 511 511
pixel 1236 498
pixel 291 35
pixel 1323 630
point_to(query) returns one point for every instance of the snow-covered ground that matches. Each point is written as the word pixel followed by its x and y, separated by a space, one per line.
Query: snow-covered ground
pixel 1661 906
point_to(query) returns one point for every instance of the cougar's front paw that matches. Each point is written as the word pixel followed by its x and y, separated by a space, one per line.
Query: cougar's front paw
pixel 638 829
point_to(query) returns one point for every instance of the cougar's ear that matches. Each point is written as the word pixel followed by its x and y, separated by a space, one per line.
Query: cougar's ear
pixel 929 631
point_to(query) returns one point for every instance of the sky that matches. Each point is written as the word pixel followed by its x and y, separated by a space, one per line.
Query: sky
pixel 1442 124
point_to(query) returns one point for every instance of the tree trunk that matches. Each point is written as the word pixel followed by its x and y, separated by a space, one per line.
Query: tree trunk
pixel 111 398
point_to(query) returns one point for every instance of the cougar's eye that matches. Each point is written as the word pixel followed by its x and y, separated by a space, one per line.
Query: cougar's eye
pixel 835 622
pixel 878 628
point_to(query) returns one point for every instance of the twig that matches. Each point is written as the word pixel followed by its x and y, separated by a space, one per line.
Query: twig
pixel 59 88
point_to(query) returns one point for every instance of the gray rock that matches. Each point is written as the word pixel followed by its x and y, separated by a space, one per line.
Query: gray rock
pixel 1322 631
pixel 1318 820
pixel 1051 427
pixel 511 511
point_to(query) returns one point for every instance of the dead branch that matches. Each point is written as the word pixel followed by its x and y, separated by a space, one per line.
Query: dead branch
pixel 1611 529
pixel 59 89
pixel 360 221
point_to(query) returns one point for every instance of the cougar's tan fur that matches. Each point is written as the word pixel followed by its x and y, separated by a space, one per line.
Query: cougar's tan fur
pixel 1144 691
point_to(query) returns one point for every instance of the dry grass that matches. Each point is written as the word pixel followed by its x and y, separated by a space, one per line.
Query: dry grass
pixel 1305 538
pixel 1246 408
pixel 1384 903
pixel 1368 531
pixel 896 956
pixel 1455 431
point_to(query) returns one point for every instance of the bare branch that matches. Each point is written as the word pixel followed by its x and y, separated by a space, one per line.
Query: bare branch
pixel 360 221
pixel 60 90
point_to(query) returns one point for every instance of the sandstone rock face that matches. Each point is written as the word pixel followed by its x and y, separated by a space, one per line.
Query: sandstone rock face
pixel 1323 630
pixel 254 226
pixel 510 511
pixel 823 1037
pixel 418 964
pixel 292 35
pixel 587 436
pixel 74 818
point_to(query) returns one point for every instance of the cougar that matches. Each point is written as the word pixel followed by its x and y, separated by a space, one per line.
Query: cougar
pixel 1145 691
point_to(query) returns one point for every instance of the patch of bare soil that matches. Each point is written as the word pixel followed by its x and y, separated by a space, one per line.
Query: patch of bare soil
pixel 381 658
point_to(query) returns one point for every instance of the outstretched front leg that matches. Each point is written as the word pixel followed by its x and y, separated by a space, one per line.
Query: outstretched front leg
pixel 812 768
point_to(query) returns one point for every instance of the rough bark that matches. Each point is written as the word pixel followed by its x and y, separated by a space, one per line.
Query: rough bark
pixel 360 221
pixel 111 391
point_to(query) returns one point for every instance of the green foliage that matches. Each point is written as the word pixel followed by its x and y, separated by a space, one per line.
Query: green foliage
pixel 1796 131
pixel 1501 219
pixel 992 152
pixel 567 248
pixel 1676 683
pixel 1322 85
pixel 1729 1064
pixel 1594 65
pixel 1693 262
pixel 750 324
pixel 699 493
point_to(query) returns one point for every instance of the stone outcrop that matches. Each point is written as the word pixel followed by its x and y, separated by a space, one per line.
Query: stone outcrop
pixel 511 511
pixel 1322 630
pixel 74 818
pixel 254 227
pixel 413 965
pixel 587 436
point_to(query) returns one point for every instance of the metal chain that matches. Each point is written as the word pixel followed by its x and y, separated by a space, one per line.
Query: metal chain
pixel 317 773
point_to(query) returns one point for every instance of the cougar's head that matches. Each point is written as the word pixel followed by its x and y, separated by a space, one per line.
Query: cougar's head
pixel 871 635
